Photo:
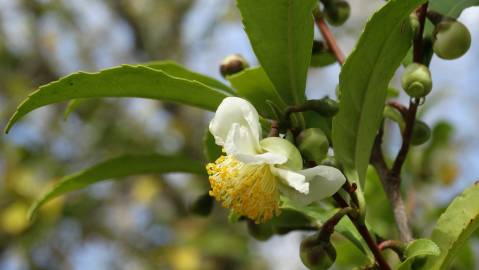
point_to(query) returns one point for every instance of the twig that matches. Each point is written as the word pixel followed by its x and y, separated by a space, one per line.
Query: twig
pixel 394 245
pixel 329 38
pixel 364 232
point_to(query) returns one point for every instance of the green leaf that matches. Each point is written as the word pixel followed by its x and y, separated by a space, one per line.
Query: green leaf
pixel 418 249
pixel 254 85
pixel 364 80
pixel 176 70
pixel 345 227
pixel 451 8
pixel 71 106
pixel 122 81
pixel 454 227
pixel 210 149
pixel 119 167
pixel 281 34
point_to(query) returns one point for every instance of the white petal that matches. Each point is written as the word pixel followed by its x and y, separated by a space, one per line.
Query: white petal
pixel 292 179
pixel 324 181
pixel 234 110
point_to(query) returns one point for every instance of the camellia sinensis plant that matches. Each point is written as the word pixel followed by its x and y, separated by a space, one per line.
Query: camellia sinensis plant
pixel 281 162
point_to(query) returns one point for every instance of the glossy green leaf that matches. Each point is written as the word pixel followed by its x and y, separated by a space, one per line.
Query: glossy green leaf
pixel 122 81
pixel 176 70
pixel 418 249
pixel 119 167
pixel 281 34
pixel 364 80
pixel 254 85
pixel 454 227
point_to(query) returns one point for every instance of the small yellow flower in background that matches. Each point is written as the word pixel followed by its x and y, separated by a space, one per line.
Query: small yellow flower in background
pixel 253 173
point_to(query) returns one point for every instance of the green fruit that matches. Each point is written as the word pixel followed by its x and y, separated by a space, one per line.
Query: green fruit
pixel 203 205
pixel 317 255
pixel 233 64
pixel 260 232
pixel 321 56
pixel 337 12
pixel 313 144
pixel 416 80
pixel 420 133
pixel 451 39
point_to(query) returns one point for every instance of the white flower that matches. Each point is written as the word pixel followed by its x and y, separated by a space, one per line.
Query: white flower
pixel 251 176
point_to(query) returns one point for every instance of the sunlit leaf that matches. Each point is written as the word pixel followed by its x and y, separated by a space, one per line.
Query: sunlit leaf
pixel 122 81
pixel 419 248
pixel 364 81
pixel 454 227
pixel 281 34
pixel 254 85
pixel 119 167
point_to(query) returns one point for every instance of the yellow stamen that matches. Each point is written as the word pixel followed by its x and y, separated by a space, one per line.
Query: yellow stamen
pixel 247 189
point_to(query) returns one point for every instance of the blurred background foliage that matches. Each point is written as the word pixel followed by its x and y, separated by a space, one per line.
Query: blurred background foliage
pixel 144 222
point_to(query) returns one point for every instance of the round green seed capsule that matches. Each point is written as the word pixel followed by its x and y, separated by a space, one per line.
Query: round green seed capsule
pixel 313 144
pixel 416 80
pixel 420 133
pixel 321 56
pixel 317 255
pixel 260 232
pixel 337 12
pixel 451 39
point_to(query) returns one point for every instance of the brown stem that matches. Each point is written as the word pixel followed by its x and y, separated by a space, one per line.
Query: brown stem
pixel 395 245
pixel 329 38
pixel 391 186
pixel 364 232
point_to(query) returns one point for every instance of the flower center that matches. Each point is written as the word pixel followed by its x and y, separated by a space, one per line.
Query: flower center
pixel 248 189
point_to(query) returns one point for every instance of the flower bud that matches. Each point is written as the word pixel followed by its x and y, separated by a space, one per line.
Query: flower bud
pixel 233 64
pixel 420 133
pixel 260 232
pixel 451 38
pixel 337 12
pixel 326 107
pixel 414 22
pixel 203 205
pixel 416 80
pixel 316 254
pixel 313 144
pixel 321 56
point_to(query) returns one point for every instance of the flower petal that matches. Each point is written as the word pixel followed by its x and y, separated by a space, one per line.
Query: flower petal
pixel 282 147
pixel 323 181
pixel 234 110
pixel 292 179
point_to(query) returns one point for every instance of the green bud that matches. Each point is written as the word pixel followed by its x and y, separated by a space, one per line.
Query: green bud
pixel 337 12
pixel 233 64
pixel 414 22
pixel 203 205
pixel 420 133
pixel 337 91
pixel 321 56
pixel 451 39
pixel 260 232
pixel 313 144
pixel 317 255
pixel 326 107
pixel 416 80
